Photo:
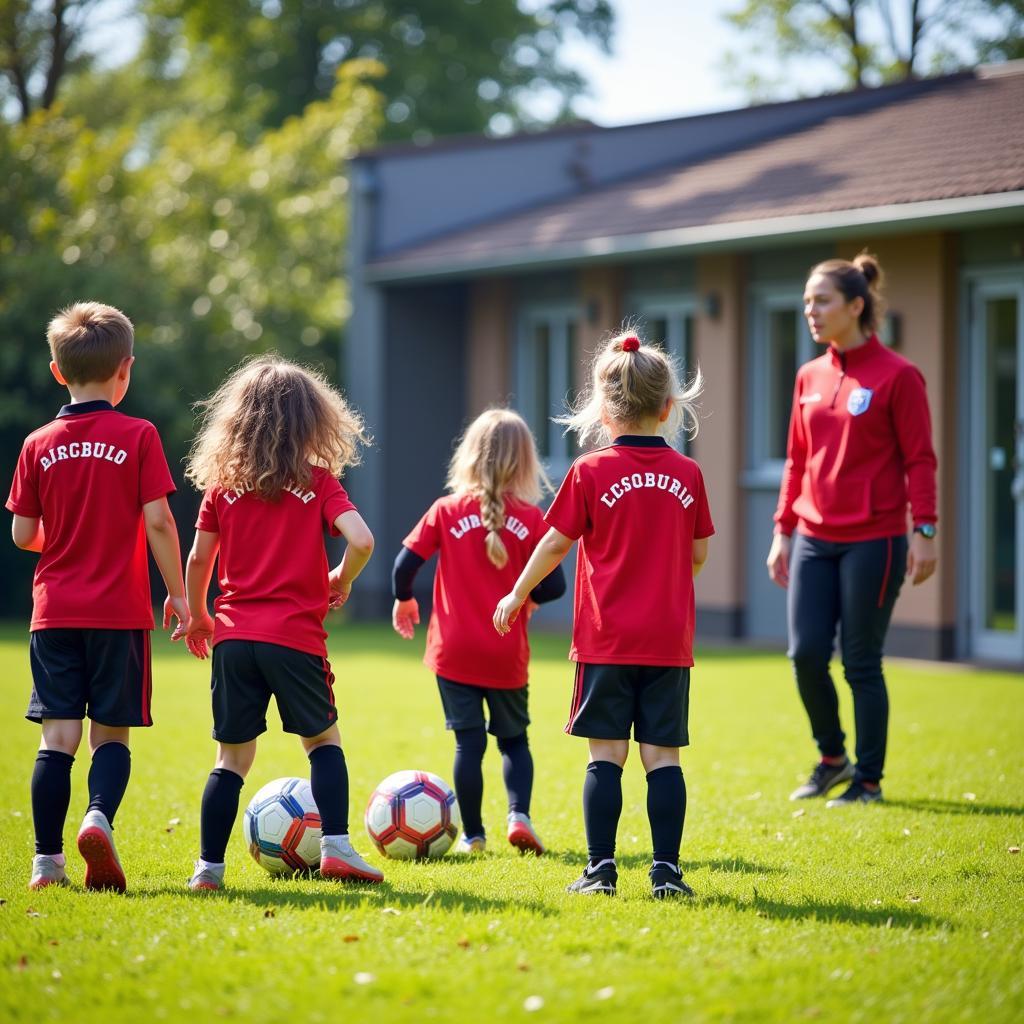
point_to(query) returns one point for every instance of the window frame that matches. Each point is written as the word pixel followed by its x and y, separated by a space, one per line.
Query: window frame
pixel 558 316
pixel 766 300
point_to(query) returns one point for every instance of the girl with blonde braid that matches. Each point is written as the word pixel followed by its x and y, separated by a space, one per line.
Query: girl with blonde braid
pixel 483 532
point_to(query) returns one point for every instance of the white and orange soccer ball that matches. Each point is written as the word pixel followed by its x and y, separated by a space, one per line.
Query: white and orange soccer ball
pixel 412 815
pixel 282 827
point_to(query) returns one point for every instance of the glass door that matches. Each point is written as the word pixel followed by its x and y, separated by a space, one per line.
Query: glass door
pixel 997 340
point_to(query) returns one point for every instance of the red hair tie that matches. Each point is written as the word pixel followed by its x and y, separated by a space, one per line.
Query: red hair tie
pixel 631 344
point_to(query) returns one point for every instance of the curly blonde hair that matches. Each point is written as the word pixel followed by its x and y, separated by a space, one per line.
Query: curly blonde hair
pixel 494 457
pixel 268 425
pixel 631 381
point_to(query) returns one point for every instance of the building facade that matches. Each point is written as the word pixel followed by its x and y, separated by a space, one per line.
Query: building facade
pixel 485 271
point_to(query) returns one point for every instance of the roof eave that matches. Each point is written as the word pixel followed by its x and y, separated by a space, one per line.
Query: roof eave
pixel 946 214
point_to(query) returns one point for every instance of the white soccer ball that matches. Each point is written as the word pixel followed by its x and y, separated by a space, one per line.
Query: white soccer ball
pixel 282 827
pixel 412 815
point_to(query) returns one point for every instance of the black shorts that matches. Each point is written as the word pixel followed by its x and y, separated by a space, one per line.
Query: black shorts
pixel 654 700
pixel 247 673
pixel 464 708
pixel 104 674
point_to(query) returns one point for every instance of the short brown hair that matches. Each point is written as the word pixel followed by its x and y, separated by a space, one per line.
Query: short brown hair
pixel 88 341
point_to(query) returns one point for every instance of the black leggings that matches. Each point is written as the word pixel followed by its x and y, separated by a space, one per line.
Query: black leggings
pixel 854 586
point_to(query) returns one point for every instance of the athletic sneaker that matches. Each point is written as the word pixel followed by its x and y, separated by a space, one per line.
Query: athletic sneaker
pixel 602 879
pixel 96 845
pixel 823 778
pixel 522 835
pixel 209 877
pixel 47 870
pixel 467 846
pixel 856 794
pixel 667 881
pixel 340 862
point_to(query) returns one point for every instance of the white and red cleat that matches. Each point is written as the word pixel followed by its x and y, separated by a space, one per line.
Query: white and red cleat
pixel 207 877
pixel 339 862
pixel 47 870
pixel 96 845
pixel 522 835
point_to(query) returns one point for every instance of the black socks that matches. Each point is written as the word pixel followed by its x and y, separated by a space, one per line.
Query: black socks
pixel 517 770
pixel 666 809
pixel 217 817
pixel 108 778
pixel 51 797
pixel 602 805
pixel 470 746
pixel 328 779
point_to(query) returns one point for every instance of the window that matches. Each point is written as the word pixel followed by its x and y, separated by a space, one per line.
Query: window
pixel 669 322
pixel 780 343
pixel 547 369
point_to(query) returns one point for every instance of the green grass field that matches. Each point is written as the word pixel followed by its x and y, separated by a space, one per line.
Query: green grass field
pixel 910 911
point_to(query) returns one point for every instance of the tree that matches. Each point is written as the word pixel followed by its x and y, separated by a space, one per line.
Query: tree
pixel 40 43
pixel 869 41
pixel 451 65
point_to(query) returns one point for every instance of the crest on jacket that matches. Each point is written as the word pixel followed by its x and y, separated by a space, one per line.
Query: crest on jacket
pixel 859 400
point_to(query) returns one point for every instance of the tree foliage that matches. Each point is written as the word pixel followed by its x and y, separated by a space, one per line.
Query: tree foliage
pixel 868 42
pixel 450 65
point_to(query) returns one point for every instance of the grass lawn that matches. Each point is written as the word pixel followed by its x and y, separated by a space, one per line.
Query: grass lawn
pixel 908 911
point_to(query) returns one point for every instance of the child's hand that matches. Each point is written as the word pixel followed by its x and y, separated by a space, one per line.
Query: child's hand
pixel 529 608
pixel 506 613
pixel 199 635
pixel 405 616
pixel 339 591
pixel 176 608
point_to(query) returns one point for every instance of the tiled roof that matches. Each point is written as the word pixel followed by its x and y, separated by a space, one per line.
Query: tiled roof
pixel 961 137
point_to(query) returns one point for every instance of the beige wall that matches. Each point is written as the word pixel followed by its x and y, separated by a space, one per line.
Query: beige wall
pixel 488 346
pixel 920 287
pixel 601 296
pixel 719 445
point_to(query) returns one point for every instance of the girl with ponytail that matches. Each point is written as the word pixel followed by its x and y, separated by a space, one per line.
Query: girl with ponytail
pixel 639 510
pixel 859 472
pixel 483 532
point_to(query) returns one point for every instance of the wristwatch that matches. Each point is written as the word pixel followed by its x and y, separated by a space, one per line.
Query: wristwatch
pixel 927 530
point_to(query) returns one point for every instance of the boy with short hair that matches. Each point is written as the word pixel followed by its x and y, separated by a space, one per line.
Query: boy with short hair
pixel 89 490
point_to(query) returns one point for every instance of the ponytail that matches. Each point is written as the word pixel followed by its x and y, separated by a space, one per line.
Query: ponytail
pixel 492 512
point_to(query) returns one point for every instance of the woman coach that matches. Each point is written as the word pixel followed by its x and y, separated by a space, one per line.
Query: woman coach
pixel 859 448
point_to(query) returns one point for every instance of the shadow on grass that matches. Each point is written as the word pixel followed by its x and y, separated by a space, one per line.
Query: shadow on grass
pixel 840 913
pixel 626 861
pixel 957 807
pixel 338 897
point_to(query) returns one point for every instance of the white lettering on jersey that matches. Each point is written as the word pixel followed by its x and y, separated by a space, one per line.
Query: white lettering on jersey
pixel 237 492
pixel 807 399
pixel 473 522
pixel 643 481
pixel 83 450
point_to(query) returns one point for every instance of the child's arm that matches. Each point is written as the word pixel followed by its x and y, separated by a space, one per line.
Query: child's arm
pixel 27 533
pixel 553 547
pixel 700 555
pixel 357 553
pixel 162 535
pixel 405 614
pixel 198 573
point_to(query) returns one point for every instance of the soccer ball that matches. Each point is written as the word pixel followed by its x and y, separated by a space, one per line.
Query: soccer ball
pixel 282 827
pixel 412 815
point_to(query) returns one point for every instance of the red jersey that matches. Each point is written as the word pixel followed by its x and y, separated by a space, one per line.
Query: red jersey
pixel 636 506
pixel 87 475
pixel 860 443
pixel 273 563
pixel 462 644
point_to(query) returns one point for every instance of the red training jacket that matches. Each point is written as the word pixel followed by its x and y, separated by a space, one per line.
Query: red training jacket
pixel 860 445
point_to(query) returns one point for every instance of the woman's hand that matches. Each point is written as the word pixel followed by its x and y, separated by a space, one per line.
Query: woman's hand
pixel 778 560
pixel 405 616
pixel 507 612
pixel 921 558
